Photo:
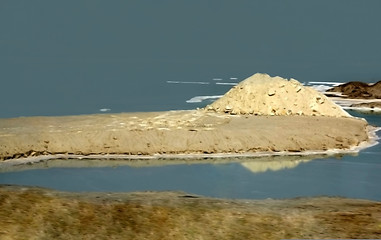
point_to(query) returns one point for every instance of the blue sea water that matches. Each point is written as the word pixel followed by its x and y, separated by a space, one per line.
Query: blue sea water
pixel 84 57
pixel 77 57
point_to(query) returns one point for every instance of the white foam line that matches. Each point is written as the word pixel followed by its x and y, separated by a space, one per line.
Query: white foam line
pixel 217 79
pixel 346 102
pixel 327 83
pixel 30 160
pixel 180 82
pixel 198 99
pixel 364 109
pixel 373 139
pixel 226 83
pixel 233 78
pixel 320 88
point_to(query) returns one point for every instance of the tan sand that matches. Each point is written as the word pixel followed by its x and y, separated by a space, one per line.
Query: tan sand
pixel 32 213
pixel 177 132
pixel 261 94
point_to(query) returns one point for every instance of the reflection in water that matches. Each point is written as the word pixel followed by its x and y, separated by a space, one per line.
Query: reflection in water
pixel 254 164
pixel 275 165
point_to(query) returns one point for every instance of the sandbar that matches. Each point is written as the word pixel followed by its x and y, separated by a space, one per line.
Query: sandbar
pixel 175 133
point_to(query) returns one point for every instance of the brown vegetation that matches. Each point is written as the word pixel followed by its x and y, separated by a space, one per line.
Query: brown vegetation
pixel 30 213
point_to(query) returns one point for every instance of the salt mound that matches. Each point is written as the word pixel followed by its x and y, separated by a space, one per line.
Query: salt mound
pixel 261 94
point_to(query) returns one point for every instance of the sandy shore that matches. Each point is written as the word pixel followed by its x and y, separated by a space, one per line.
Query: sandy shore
pixel 176 132
pixel 44 214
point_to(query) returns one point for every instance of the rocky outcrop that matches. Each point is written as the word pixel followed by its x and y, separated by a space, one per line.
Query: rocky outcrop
pixel 359 90
pixel 261 94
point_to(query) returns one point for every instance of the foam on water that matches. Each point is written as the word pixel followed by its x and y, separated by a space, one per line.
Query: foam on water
pixel 198 99
pixel 364 109
pixel 326 83
pixel 185 82
pixel 320 88
pixel 226 83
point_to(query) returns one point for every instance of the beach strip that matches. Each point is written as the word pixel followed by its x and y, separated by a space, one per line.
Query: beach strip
pixel 177 133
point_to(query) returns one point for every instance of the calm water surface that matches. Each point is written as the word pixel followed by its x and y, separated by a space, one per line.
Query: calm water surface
pixel 77 57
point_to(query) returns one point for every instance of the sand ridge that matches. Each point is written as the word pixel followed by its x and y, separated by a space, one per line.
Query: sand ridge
pixel 184 132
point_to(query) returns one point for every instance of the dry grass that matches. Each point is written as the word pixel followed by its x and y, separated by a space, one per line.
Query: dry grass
pixel 41 214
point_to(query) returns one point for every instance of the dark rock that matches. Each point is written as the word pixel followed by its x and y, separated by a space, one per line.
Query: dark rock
pixel 359 90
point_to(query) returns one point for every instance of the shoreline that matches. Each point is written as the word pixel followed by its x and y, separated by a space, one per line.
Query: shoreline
pixel 352 103
pixel 191 133
pixel 372 141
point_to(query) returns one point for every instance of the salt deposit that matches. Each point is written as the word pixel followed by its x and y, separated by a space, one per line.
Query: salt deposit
pixel 261 94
